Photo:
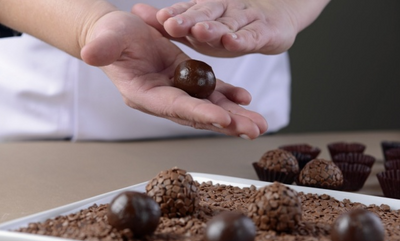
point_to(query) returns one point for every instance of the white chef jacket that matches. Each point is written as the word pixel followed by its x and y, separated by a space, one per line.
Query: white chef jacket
pixel 47 94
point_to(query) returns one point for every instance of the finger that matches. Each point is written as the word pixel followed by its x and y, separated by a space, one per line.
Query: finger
pixel 181 24
pixel 244 127
pixel 199 111
pixel 184 110
pixel 169 102
pixel 235 94
pixel 239 126
pixel 237 110
pixel 257 37
pixel 173 10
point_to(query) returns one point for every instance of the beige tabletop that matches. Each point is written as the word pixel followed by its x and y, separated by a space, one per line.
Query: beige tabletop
pixel 37 176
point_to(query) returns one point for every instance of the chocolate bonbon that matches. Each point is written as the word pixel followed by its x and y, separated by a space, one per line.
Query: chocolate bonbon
pixel 358 225
pixel 275 207
pixel 195 77
pixel 230 226
pixel 321 173
pixel 277 165
pixel 135 211
pixel 175 191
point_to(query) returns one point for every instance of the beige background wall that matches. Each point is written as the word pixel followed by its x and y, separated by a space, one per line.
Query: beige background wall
pixel 346 69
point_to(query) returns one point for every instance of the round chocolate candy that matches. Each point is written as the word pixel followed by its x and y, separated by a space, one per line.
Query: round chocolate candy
pixel 321 173
pixel 230 226
pixel 135 211
pixel 279 160
pixel 358 225
pixel 275 207
pixel 195 78
pixel 175 192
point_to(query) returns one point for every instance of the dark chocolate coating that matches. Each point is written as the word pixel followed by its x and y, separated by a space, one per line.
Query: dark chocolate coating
pixel 135 211
pixel 358 225
pixel 195 78
pixel 230 226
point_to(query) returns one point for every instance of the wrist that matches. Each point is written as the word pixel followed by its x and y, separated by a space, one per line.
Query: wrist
pixel 308 13
pixel 87 23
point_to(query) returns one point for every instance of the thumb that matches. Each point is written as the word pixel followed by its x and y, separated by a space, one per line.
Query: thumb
pixel 104 49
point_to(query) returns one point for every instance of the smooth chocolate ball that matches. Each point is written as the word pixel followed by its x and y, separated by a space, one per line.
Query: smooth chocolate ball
pixel 358 225
pixel 195 78
pixel 135 211
pixel 230 226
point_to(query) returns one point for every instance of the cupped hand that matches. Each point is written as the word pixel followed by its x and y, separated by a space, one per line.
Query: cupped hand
pixel 141 63
pixel 226 27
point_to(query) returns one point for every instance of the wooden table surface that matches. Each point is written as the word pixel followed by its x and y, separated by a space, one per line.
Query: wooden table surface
pixel 37 176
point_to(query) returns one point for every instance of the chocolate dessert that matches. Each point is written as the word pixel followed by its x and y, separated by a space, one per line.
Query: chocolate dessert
pixel 230 226
pixel 275 207
pixel 319 212
pixel 277 165
pixel 134 211
pixel 175 191
pixel 321 173
pixel 195 78
pixel 358 224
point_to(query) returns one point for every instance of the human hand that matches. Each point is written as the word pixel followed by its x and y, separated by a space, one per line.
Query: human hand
pixel 141 64
pixel 233 27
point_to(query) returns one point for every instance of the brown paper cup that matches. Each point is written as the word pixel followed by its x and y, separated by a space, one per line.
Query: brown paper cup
pixel 303 152
pixel 267 175
pixel 345 147
pixel 390 183
pixel 354 175
pixel 354 158
pixel 305 149
pixel 392 154
pixel 387 145
pixel 392 164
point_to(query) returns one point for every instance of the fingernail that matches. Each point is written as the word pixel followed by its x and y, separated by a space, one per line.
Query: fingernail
pixel 217 125
pixel 234 36
pixel 178 20
pixel 170 11
pixel 244 136
pixel 206 26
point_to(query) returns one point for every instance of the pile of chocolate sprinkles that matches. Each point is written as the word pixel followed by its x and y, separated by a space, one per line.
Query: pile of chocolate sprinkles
pixel 318 213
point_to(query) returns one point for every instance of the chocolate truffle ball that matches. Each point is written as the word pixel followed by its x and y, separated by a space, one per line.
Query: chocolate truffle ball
pixel 230 226
pixel 275 207
pixel 279 160
pixel 135 211
pixel 195 77
pixel 277 165
pixel 175 191
pixel 358 225
pixel 322 174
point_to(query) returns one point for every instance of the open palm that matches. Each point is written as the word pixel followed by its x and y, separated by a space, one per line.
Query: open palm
pixel 141 64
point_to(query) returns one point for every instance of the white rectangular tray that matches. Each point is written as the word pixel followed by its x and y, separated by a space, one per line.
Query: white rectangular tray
pixel 6 234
